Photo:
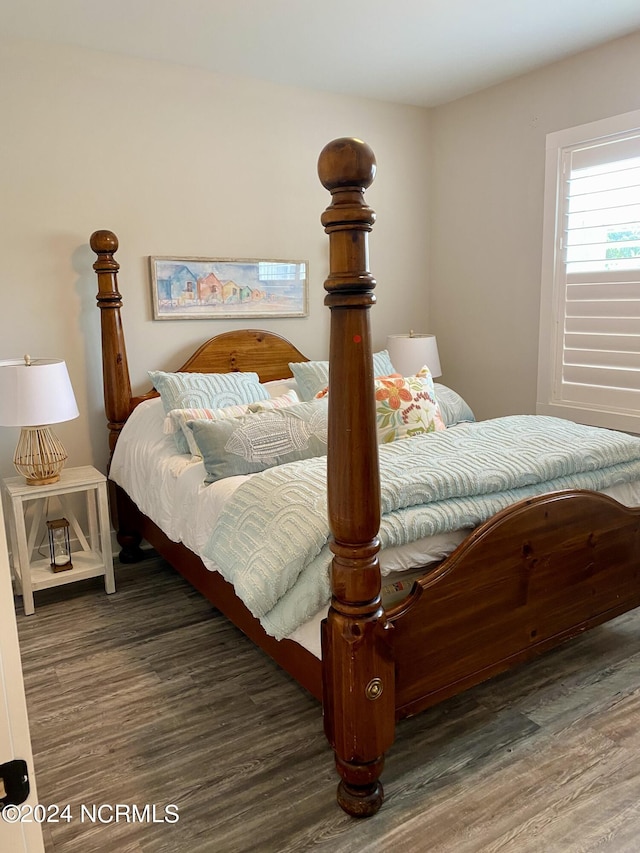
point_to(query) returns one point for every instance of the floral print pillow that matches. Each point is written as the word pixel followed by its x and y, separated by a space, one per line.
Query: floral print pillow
pixel 406 406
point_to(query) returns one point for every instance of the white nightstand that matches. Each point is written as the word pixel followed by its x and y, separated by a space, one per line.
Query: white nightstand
pixel 93 560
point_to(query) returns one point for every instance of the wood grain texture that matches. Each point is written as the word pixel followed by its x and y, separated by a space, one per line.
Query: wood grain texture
pixel 534 575
pixel 117 384
pixel 151 696
pixel 355 645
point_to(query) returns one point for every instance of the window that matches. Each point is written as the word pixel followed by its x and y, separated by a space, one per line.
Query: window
pixel 589 352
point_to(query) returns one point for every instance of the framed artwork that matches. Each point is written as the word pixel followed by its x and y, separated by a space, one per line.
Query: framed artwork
pixel 226 288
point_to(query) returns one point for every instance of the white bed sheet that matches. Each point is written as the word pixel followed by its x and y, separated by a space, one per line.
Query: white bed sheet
pixel 169 488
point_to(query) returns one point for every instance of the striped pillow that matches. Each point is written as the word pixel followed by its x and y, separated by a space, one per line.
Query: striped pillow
pixel 205 391
pixel 176 420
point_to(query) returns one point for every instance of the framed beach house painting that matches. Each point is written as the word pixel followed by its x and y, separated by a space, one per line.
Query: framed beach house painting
pixel 226 288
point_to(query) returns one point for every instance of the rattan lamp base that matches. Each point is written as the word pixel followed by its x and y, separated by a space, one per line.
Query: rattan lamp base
pixel 39 456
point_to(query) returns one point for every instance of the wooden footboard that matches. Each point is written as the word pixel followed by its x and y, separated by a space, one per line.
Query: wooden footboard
pixel 530 578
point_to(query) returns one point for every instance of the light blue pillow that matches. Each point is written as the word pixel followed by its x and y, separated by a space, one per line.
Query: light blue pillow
pixel 453 408
pixel 313 376
pixel 261 440
pixel 205 391
pixel 176 420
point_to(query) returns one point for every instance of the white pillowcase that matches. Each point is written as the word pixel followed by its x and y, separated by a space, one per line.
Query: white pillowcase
pixel 278 387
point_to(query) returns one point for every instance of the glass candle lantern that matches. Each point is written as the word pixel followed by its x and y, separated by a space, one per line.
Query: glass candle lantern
pixel 59 545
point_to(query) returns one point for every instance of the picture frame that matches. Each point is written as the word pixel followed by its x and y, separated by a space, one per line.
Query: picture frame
pixel 228 288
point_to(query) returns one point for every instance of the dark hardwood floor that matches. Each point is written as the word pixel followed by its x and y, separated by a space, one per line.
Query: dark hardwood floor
pixel 150 697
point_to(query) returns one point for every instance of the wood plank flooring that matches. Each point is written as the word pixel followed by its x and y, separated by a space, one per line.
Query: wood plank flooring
pixel 150 697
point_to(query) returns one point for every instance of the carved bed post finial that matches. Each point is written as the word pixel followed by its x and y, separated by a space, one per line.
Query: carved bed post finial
pixel 117 385
pixel 359 696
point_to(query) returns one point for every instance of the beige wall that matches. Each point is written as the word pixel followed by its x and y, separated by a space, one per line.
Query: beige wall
pixel 487 165
pixel 179 162
pixel 182 162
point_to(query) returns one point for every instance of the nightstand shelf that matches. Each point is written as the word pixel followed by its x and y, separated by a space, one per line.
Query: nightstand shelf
pixel 86 564
pixel 94 557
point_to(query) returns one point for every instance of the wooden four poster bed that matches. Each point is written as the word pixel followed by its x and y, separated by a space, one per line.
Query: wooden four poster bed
pixel 534 575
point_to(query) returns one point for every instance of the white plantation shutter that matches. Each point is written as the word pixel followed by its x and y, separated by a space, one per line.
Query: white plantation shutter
pixel 589 357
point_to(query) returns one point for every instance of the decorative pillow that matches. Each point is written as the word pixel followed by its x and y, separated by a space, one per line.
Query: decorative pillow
pixel 313 376
pixel 205 391
pixel 261 440
pixel 278 387
pixel 176 420
pixel 406 406
pixel 453 408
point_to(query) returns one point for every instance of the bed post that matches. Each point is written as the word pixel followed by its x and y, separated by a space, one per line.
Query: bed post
pixel 358 669
pixel 115 371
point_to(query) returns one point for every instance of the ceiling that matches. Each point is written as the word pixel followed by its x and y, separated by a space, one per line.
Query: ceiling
pixel 422 52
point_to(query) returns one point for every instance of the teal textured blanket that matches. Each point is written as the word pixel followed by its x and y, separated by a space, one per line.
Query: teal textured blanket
pixel 271 540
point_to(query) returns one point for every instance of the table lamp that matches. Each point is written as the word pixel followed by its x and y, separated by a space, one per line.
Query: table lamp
pixel 33 394
pixel 409 353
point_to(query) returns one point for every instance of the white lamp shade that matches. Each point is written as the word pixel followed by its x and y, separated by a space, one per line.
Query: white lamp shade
pixel 410 353
pixel 36 393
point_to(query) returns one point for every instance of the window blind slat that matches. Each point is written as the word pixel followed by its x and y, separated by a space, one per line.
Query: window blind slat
pixel 600 358
pixel 621 309
pixel 604 199
pixel 599 153
pixel 579 236
pixel 602 398
pixel 603 342
pixel 603 325
pixel 622 264
pixel 603 216
pixel 593 185
pixel 602 377
pixel 612 250
pixel 601 277
pixel 603 292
